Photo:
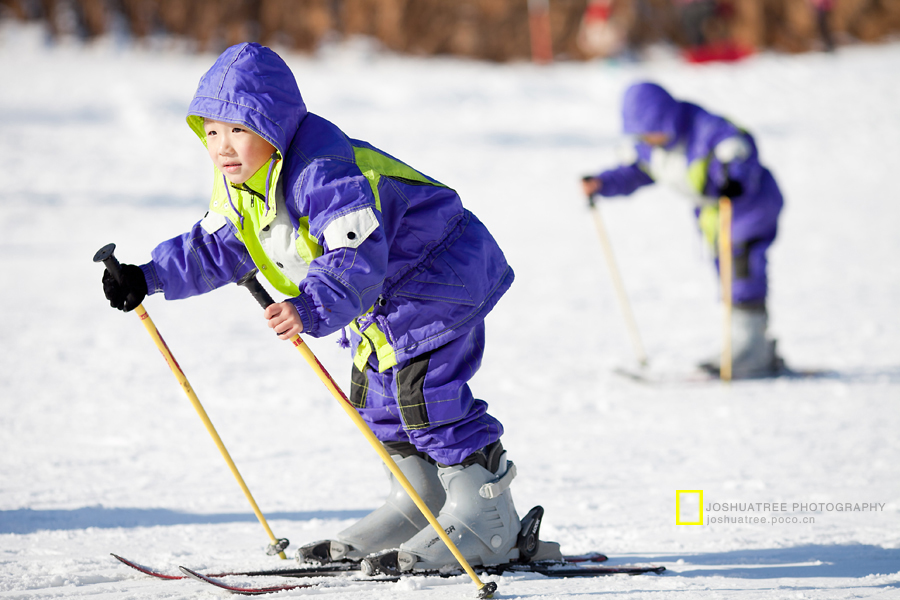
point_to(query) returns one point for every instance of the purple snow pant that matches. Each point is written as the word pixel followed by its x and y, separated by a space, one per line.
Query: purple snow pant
pixel 426 401
pixel 753 228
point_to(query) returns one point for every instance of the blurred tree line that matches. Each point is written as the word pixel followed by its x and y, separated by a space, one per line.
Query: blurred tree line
pixel 496 30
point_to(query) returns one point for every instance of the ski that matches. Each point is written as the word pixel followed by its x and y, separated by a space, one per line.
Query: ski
pixel 314 570
pixel 590 570
pixel 255 590
pixel 547 569
pixel 583 565
pixel 556 569
pixel 387 564
pixel 310 571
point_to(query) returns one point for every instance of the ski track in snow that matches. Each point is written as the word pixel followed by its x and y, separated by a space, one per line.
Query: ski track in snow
pixel 102 452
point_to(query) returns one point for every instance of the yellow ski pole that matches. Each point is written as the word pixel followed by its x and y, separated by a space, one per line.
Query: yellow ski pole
pixel 725 275
pixel 625 306
pixel 106 256
pixel 485 590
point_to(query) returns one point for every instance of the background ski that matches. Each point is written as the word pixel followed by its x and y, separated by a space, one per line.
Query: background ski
pixel 699 376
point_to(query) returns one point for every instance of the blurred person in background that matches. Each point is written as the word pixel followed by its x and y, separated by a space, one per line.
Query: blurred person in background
pixel 823 10
pixel 694 15
pixel 706 157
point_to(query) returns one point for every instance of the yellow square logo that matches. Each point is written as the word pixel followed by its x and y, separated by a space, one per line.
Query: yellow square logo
pixel 688 505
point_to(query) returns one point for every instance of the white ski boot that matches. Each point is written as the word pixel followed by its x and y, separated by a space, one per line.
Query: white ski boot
pixel 479 516
pixel 753 353
pixel 391 524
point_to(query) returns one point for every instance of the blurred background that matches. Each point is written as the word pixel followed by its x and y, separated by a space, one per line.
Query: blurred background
pixel 100 451
pixel 494 30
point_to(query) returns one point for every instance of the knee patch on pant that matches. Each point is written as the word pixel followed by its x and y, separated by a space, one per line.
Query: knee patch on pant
pixel 741 262
pixel 359 388
pixel 411 393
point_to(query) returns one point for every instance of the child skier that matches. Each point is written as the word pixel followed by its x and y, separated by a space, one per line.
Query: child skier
pixel 707 157
pixel 355 238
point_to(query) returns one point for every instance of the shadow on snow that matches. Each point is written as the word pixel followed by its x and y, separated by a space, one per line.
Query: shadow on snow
pixel 838 560
pixel 26 520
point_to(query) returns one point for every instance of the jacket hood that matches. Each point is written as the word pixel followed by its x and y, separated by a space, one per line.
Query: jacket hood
pixel 648 108
pixel 252 86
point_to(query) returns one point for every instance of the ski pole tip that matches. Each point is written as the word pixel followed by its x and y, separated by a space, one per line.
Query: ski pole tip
pixel 277 547
pixel 487 590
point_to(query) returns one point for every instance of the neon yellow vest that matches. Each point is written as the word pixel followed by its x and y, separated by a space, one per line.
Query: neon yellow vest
pixel 251 212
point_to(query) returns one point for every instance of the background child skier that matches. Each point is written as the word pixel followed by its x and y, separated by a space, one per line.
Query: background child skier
pixel 707 157
pixel 355 238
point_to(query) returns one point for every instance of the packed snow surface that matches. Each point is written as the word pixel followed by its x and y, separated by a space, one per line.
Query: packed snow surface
pixel 102 452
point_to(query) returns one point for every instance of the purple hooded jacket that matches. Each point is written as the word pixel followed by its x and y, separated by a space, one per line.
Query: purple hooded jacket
pixel 425 272
pixel 648 108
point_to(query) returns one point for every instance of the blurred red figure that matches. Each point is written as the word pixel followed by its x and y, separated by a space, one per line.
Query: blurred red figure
pixel 706 31
pixel 602 31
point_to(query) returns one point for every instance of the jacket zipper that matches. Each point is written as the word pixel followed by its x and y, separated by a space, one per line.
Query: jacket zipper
pixel 253 193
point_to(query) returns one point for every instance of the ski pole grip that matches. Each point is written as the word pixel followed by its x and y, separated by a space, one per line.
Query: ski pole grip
pixel 250 282
pixel 108 258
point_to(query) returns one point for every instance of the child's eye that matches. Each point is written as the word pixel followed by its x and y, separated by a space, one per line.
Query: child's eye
pixel 209 133
pixel 236 130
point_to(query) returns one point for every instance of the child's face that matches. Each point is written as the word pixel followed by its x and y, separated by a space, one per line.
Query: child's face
pixel 655 139
pixel 237 152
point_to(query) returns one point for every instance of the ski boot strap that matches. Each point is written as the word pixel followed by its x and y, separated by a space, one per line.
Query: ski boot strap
pixel 494 488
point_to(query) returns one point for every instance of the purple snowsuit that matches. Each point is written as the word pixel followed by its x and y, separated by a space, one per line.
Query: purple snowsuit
pixel 383 249
pixel 693 162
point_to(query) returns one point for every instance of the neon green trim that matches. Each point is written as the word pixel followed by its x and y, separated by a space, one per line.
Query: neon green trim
pixel 255 217
pixel 387 358
pixel 697 174
pixel 363 350
pixel 373 165
pixel 196 124
pixel 708 220
pixel 307 246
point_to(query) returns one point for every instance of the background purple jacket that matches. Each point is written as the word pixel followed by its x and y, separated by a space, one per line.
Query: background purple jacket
pixel 704 153
pixel 422 270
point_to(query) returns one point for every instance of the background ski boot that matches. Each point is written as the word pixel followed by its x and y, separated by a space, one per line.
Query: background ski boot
pixel 753 353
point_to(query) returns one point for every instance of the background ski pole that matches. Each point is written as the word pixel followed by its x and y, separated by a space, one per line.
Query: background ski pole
pixel 618 285
pixel 106 256
pixel 485 590
pixel 725 275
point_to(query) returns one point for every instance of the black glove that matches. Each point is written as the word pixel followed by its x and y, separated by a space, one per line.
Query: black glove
pixel 125 296
pixel 731 189
pixel 590 197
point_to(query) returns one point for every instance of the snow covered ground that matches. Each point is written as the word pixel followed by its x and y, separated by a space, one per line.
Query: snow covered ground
pixel 101 452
